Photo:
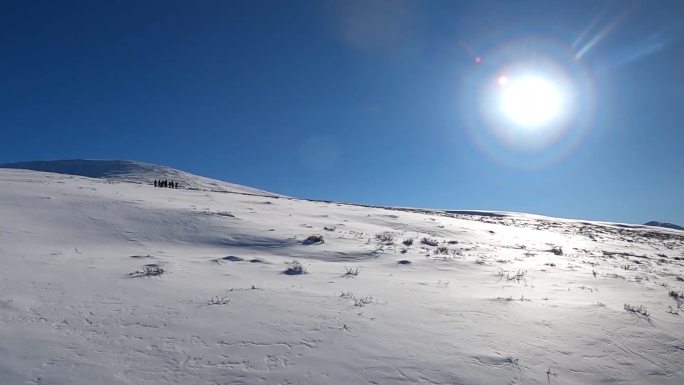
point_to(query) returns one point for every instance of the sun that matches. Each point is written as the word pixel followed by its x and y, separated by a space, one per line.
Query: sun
pixel 530 101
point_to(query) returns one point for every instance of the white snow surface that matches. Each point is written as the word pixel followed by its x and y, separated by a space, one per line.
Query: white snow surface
pixel 491 303
pixel 132 172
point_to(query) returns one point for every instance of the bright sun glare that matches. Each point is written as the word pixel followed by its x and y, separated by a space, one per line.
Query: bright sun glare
pixel 530 101
pixel 534 101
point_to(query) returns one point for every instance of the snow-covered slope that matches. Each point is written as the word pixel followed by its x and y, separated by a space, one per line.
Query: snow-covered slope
pixel 122 283
pixel 132 172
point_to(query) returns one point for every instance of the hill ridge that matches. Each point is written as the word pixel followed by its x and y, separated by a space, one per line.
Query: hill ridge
pixel 130 171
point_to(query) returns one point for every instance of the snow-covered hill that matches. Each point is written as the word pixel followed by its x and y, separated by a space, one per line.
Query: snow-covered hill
pixel 132 172
pixel 124 283
pixel 664 224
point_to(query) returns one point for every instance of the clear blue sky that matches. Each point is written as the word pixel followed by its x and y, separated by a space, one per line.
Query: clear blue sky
pixel 370 102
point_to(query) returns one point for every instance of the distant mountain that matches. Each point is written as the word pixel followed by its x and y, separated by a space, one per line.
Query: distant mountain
pixel 132 172
pixel 666 225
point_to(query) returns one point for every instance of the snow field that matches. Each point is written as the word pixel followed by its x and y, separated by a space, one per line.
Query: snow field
pixel 501 298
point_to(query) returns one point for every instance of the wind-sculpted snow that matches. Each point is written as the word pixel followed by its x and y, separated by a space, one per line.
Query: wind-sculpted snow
pixel 124 283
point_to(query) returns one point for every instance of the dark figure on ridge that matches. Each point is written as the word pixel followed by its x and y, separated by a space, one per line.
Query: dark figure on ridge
pixel 165 183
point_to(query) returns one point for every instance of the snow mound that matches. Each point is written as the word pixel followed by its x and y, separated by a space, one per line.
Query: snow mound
pixel 132 172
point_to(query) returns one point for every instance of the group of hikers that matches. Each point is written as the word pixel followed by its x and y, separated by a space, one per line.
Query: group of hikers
pixel 165 183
